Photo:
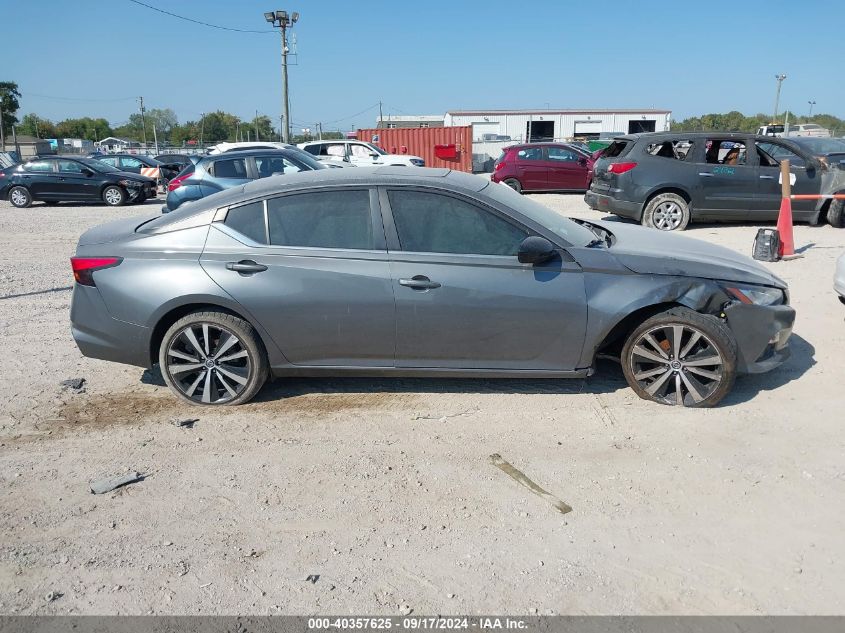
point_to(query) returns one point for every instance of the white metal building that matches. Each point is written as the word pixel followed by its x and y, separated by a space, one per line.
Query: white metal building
pixel 547 125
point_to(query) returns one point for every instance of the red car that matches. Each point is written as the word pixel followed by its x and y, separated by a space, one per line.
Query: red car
pixel 544 167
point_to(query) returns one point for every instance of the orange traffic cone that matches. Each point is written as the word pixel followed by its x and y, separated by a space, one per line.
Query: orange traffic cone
pixel 787 243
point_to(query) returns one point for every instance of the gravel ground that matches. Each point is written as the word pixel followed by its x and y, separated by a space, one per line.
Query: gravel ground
pixel 383 491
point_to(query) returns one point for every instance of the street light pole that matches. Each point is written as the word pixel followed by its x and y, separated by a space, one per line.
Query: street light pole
pixel 282 20
pixel 143 120
pixel 812 103
pixel 780 79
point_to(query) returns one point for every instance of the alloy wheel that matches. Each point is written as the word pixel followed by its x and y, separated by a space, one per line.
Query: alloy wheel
pixel 113 196
pixel 676 364
pixel 208 363
pixel 18 198
pixel 667 216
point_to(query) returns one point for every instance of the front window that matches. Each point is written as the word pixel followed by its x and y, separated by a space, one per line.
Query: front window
pixel 563 227
pixel 274 165
pixel 374 148
pixel 131 163
pixel 561 154
pixel 435 223
pixel 360 151
pixel 70 167
pixel 771 154
pixel 234 168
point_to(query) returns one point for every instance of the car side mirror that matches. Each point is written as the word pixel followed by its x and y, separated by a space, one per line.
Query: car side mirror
pixel 374 154
pixel 582 161
pixel 535 250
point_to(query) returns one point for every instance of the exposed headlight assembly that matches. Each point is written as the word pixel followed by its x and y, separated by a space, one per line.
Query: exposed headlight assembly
pixel 131 184
pixel 756 295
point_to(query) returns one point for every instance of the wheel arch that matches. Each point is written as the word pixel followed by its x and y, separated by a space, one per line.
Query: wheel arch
pixel 617 333
pixel 171 314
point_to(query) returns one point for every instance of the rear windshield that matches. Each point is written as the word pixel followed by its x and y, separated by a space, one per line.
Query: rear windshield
pixel 616 148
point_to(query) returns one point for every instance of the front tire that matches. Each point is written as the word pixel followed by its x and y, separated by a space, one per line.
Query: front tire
pixel 213 358
pixel 836 214
pixel 514 184
pixel 114 196
pixel 20 197
pixel 682 358
pixel 666 212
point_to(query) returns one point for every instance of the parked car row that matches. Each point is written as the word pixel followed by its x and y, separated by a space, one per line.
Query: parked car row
pixel 60 178
pixel 667 180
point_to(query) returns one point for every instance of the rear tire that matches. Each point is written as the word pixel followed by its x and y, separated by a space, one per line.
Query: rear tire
pixel 114 196
pixel 514 184
pixel 666 212
pixel 20 197
pixel 836 214
pixel 681 357
pixel 213 358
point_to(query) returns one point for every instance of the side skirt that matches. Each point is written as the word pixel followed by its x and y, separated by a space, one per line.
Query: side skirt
pixel 425 372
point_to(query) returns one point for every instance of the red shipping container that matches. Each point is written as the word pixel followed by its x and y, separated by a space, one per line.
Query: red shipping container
pixel 424 141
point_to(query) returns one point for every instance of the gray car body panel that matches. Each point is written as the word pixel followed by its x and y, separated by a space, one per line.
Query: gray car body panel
pixel 332 311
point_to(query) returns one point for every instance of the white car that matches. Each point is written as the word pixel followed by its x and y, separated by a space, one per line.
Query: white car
pixel 358 153
pixel 839 278
pixel 808 129
pixel 220 148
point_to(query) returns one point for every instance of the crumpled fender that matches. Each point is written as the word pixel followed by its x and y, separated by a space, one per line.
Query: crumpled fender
pixel 753 327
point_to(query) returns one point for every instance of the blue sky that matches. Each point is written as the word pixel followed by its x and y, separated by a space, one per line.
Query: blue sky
pixel 93 57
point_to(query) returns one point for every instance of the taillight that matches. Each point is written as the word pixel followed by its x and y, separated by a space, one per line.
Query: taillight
pixel 498 166
pixel 85 267
pixel 177 182
pixel 620 168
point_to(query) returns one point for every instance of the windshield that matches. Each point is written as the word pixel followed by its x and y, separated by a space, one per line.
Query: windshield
pixel 376 149
pixel 97 165
pixel 307 159
pixel 571 232
pixel 821 146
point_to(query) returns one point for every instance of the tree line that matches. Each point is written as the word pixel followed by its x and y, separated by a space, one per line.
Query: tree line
pixel 162 124
pixel 736 121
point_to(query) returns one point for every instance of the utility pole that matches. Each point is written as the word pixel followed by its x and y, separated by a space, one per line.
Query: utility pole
pixel 812 103
pixel 2 132
pixel 202 126
pixel 380 116
pixel 143 120
pixel 780 79
pixel 282 20
pixel 281 125
pixel 255 125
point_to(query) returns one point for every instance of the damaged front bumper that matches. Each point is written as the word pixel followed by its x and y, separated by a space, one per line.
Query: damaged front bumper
pixel 762 334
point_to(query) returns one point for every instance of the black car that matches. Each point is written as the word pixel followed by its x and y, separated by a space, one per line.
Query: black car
pixel 667 180
pixel 60 178
pixel 178 161
pixel 134 163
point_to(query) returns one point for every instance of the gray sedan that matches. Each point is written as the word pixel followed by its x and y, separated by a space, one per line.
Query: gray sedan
pixel 416 272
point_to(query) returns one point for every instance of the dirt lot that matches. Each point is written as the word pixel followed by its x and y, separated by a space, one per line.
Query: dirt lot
pixel 384 488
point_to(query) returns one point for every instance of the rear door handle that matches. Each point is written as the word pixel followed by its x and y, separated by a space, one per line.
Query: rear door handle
pixel 419 282
pixel 767 177
pixel 706 174
pixel 246 266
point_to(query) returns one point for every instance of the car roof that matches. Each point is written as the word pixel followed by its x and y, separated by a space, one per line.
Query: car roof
pixel 239 153
pixel 367 176
pixel 668 136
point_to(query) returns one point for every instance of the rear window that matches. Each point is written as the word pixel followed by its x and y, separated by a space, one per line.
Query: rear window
pixel 675 150
pixel 230 168
pixel 248 220
pixel 616 148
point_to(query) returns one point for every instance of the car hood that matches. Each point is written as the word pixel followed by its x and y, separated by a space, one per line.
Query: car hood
pixel 654 252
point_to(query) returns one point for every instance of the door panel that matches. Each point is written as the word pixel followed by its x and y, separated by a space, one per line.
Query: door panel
pixel 769 187
pixel 564 169
pixel 728 180
pixel 531 168
pixel 488 313
pixel 322 307
pixel 74 185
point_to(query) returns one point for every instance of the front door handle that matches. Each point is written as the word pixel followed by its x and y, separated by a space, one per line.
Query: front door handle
pixel 419 282
pixel 246 267
pixel 706 174
pixel 767 177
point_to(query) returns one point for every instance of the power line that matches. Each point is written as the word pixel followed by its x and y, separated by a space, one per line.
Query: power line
pixel 213 26
pixel 352 116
